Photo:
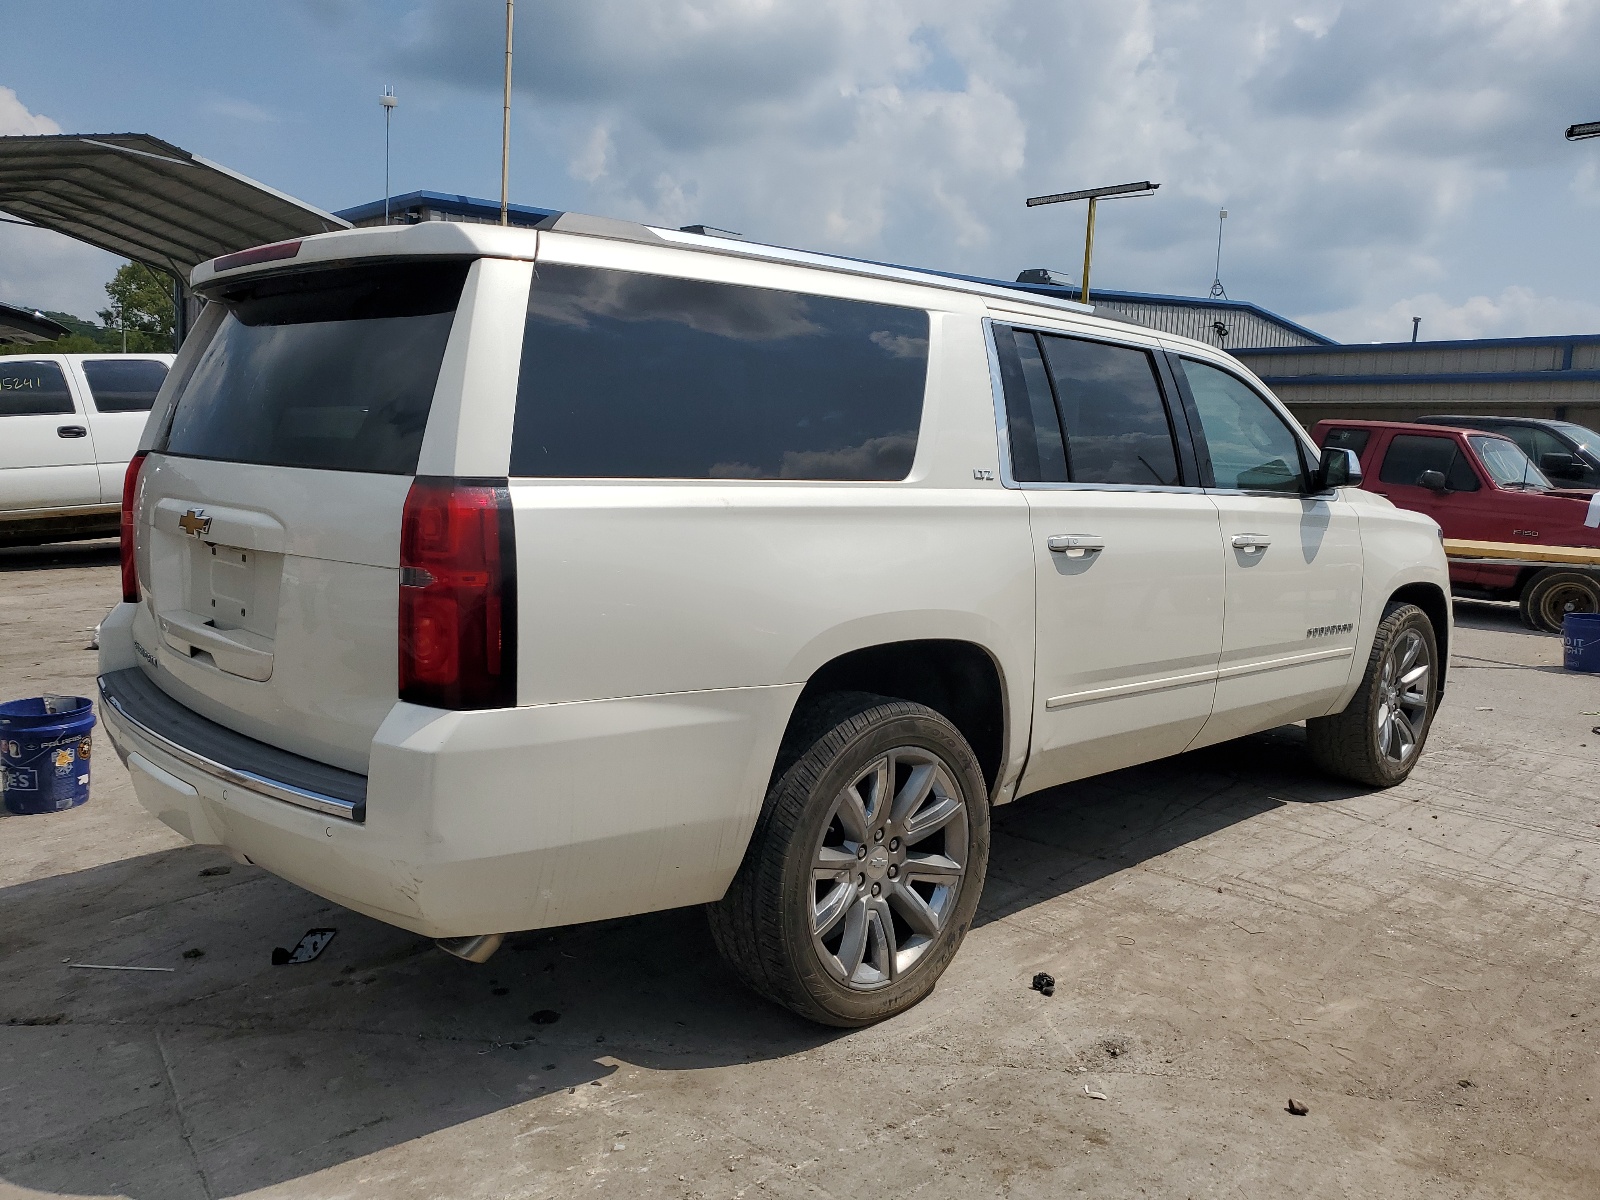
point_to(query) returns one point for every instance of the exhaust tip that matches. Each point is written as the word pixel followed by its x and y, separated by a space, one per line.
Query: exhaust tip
pixel 478 948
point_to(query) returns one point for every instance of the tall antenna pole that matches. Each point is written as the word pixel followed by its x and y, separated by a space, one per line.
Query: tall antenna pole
pixel 388 101
pixel 505 131
pixel 1217 290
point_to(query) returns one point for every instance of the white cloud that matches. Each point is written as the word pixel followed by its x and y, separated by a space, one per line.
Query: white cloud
pixel 1515 312
pixel 40 269
pixel 241 110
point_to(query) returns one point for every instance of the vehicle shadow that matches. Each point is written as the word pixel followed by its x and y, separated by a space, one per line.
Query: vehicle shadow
pixel 228 1074
pixel 98 552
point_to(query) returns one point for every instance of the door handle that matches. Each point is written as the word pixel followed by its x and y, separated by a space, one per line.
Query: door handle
pixel 1075 545
pixel 71 431
pixel 1251 543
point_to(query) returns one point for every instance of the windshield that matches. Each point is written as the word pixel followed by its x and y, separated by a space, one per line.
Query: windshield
pixel 1587 439
pixel 1507 464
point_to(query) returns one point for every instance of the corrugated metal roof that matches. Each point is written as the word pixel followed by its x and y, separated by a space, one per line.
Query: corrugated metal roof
pixel 146 199
pixel 25 325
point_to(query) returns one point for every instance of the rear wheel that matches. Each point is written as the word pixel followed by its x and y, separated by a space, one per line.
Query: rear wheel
pixel 1378 738
pixel 866 864
pixel 1552 594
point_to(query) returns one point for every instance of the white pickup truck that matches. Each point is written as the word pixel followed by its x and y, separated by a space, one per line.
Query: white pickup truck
pixel 69 423
pixel 484 580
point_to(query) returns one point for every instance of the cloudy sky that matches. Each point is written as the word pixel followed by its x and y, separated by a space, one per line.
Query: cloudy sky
pixel 1379 159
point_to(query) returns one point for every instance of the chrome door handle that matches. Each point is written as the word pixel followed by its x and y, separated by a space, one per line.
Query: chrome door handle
pixel 1075 545
pixel 1251 543
pixel 71 431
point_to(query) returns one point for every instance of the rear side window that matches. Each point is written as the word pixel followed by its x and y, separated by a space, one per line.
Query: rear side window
pixel 30 389
pixel 1348 439
pixel 124 384
pixel 1410 454
pixel 332 369
pixel 1251 446
pixel 1038 455
pixel 631 376
pixel 1113 413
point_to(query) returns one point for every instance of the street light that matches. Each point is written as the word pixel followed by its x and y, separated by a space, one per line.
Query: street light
pixel 1094 196
pixel 1577 133
pixel 388 101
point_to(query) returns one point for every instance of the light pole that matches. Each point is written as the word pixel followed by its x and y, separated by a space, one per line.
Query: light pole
pixel 1588 129
pixel 1093 196
pixel 505 131
pixel 388 101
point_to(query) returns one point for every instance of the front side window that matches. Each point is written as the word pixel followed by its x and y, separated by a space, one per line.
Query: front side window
pixel 124 384
pixel 1410 454
pixel 632 376
pixel 332 368
pixel 1507 464
pixel 31 389
pixel 1251 446
pixel 1113 413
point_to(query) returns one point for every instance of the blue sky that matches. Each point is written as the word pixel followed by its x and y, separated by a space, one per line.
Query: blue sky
pixel 1378 160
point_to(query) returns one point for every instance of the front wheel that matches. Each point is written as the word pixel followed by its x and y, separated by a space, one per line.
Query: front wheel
pixel 865 867
pixel 1552 594
pixel 1378 738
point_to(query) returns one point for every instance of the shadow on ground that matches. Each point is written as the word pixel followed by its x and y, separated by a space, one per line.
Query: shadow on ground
pixel 100 552
pixel 228 1074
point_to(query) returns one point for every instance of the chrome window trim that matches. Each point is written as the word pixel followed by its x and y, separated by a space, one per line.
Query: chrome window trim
pixel 249 780
pixel 1003 432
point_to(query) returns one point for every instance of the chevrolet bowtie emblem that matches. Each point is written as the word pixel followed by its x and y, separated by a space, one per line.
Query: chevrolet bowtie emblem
pixel 194 523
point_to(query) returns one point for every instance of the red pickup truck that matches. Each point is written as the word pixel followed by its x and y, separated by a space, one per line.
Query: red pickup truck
pixel 1482 487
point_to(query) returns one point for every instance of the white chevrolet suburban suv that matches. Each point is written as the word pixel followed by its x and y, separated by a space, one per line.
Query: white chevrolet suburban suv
pixel 484 580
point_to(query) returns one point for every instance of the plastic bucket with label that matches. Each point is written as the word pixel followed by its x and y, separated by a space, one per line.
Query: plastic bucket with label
pixel 1580 641
pixel 44 753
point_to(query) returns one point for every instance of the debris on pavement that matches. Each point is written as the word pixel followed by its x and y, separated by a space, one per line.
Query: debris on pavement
pixel 52 1019
pixel 210 871
pixel 1044 983
pixel 545 1016
pixel 106 967
pixel 307 948
pixel 1296 1107
pixel 1094 1095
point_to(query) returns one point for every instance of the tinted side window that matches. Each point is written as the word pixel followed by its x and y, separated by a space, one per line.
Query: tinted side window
pixel 1113 413
pixel 629 376
pixel 1034 429
pixel 1410 454
pixel 32 388
pixel 124 385
pixel 330 368
pixel 1251 447
pixel 1349 439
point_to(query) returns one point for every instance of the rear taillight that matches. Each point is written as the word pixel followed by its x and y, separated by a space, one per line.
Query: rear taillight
pixel 458 603
pixel 130 497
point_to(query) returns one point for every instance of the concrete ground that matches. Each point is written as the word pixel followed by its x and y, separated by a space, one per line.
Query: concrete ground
pixel 1229 929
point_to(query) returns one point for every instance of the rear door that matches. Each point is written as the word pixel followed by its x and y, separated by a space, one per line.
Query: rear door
pixel 47 453
pixel 1127 554
pixel 119 390
pixel 270 506
pixel 1294 562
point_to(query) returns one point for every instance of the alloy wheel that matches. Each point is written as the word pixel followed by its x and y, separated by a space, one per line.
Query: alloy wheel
pixel 1403 691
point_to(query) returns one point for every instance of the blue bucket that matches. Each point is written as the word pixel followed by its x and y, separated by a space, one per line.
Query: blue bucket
pixel 1580 641
pixel 44 753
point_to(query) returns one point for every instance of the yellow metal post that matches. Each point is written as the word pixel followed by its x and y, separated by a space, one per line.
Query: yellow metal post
pixel 1088 248
pixel 505 131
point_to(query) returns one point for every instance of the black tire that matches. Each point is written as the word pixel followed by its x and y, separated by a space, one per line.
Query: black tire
pixel 1352 744
pixel 764 925
pixel 1553 593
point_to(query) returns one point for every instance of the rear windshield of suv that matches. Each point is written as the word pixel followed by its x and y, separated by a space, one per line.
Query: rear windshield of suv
pixel 633 376
pixel 332 369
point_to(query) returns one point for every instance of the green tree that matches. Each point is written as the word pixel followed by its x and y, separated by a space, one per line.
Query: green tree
pixel 141 306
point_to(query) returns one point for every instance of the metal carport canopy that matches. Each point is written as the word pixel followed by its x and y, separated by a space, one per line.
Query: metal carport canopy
pixel 146 199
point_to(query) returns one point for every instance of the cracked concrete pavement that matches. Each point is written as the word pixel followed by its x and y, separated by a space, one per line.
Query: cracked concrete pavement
pixel 1227 930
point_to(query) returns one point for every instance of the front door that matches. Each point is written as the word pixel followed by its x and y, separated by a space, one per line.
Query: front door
pixel 1294 563
pixel 1127 556
pixel 47 458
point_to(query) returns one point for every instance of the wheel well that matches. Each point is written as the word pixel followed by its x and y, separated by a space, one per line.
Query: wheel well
pixel 958 680
pixel 1433 602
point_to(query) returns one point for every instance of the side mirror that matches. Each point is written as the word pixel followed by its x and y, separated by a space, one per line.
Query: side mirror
pixel 1433 481
pixel 1562 466
pixel 1338 468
